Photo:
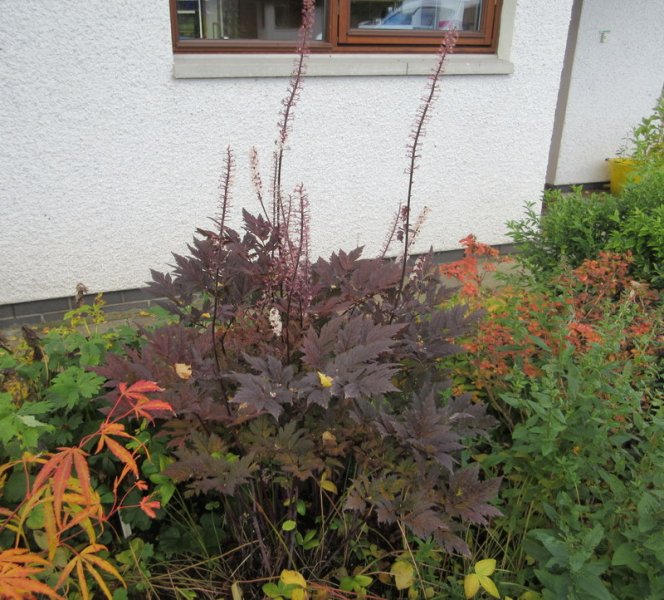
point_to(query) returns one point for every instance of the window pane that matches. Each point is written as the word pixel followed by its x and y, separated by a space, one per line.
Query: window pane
pixel 416 15
pixel 244 19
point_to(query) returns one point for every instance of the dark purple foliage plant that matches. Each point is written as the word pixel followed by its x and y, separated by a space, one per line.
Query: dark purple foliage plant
pixel 308 394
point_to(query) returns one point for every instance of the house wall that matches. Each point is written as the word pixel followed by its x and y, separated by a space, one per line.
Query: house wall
pixel 108 163
pixel 613 84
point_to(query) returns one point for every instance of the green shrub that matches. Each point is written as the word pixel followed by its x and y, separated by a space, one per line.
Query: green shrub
pixel 576 226
pixel 642 235
pixel 647 139
pixel 573 227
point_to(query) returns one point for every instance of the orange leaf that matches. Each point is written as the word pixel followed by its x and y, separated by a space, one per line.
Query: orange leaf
pixel 105 565
pixel 16 566
pixel 145 408
pixel 52 534
pixel 80 517
pixel 47 470
pixel 57 471
pixel 143 387
pixel 18 588
pixel 83 474
pixel 66 572
pixel 122 454
pixel 20 556
pixel 149 506
pixel 114 429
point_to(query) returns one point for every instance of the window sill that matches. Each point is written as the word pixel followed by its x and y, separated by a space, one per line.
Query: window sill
pixel 212 66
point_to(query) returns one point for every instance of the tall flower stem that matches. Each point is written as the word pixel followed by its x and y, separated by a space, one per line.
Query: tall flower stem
pixel 417 134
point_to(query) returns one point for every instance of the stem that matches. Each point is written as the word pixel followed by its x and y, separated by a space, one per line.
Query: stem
pixel 417 134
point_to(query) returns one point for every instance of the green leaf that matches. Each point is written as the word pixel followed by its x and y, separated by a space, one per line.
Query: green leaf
pixel 35 519
pixel 7 361
pixel 647 509
pixel 288 525
pixel 271 590
pixel 626 555
pixel 363 580
pixel 30 421
pixel 592 587
pixel 120 594
pixel 72 385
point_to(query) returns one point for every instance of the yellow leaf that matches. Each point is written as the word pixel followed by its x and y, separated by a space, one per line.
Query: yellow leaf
pixel 485 567
pixel 329 486
pixel 329 438
pixel 82 581
pixel 471 585
pixel 298 594
pixel 293 577
pixel 236 591
pixel 489 586
pixel 103 564
pixel 325 380
pixel 403 574
pixel 100 581
pixel 183 371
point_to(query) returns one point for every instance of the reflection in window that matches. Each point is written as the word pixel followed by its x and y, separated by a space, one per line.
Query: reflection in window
pixel 463 15
pixel 244 19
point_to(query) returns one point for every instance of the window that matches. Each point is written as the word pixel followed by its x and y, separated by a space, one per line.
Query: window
pixel 218 26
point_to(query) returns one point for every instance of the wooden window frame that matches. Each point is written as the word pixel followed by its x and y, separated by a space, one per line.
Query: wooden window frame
pixel 342 39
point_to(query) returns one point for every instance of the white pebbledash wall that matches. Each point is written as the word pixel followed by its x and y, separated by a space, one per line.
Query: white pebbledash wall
pixel 108 163
pixel 616 79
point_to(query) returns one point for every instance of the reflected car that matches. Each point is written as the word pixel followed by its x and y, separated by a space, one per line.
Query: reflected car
pixel 425 14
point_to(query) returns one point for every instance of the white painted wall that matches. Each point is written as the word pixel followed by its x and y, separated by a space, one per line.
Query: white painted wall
pixel 613 84
pixel 107 163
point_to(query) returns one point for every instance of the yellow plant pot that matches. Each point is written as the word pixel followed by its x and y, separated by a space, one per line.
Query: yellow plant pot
pixel 620 170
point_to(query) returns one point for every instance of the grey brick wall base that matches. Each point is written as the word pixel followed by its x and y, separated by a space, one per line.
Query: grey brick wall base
pixel 52 310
